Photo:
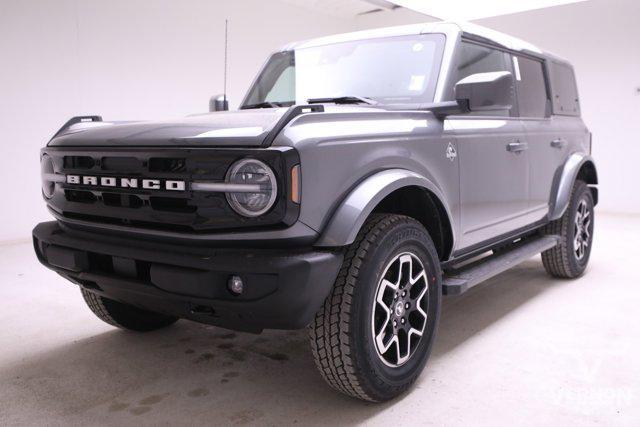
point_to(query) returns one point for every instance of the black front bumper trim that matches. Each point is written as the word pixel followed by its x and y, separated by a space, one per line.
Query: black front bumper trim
pixel 283 289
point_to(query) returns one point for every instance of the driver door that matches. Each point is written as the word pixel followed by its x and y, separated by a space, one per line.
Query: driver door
pixel 493 156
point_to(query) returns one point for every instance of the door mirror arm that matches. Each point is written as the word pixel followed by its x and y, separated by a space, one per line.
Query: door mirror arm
pixel 447 108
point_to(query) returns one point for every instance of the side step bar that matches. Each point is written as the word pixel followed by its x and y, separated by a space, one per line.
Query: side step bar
pixel 458 281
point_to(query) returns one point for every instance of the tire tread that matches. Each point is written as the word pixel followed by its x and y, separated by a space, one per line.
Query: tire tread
pixel 329 331
pixel 556 260
pixel 96 305
pixel 125 316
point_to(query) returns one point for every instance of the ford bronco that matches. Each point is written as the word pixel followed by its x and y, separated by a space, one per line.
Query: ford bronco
pixel 363 176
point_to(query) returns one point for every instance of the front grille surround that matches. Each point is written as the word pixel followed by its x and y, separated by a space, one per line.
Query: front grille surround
pixel 181 211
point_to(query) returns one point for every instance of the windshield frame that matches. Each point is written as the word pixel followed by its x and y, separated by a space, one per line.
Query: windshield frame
pixel 428 94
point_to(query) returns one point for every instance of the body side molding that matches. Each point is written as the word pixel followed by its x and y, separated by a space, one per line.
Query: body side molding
pixel 560 198
pixel 348 218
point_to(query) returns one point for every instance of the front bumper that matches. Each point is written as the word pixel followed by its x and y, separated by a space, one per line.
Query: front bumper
pixel 283 289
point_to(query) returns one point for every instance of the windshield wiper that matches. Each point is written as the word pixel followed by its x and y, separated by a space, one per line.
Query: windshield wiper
pixel 261 105
pixel 343 100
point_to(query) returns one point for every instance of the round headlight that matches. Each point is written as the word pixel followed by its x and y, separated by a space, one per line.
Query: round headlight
pixel 255 187
pixel 46 171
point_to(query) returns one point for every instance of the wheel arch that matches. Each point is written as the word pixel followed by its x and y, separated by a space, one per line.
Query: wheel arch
pixel 396 191
pixel 578 166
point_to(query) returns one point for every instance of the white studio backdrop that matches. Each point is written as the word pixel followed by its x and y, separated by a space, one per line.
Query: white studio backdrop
pixel 143 59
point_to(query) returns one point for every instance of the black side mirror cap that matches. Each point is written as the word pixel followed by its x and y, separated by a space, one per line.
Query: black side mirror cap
pixel 218 103
pixel 477 92
pixel 486 91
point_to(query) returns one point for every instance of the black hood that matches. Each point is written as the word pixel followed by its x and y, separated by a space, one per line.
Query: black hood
pixel 243 128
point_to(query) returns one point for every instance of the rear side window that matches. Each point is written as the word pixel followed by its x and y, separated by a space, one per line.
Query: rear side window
pixel 530 86
pixel 473 59
pixel 564 90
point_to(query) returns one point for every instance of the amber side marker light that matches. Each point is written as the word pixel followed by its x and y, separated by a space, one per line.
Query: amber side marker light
pixel 295 184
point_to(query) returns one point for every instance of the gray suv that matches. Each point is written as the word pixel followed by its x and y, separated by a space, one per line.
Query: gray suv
pixel 364 176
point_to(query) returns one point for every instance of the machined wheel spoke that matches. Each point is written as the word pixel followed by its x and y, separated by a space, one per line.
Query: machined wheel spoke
pixel 383 327
pixel 419 301
pixel 420 275
pixel 381 332
pixel 406 259
pixel 414 331
pixel 384 285
pixel 385 346
pixel 403 357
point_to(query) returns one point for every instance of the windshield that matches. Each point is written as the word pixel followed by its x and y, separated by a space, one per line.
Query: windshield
pixel 391 70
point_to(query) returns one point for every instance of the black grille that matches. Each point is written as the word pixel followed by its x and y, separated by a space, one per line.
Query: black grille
pixel 168 164
pixel 78 162
pixel 121 164
pixel 183 211
pixel 122 200
pixel 80 196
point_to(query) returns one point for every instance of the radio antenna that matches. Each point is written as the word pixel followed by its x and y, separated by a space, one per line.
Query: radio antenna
pixel 226 44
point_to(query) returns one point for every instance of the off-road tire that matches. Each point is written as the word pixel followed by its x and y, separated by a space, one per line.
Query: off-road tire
pixel 125 316
pixel 341 336
pixel 561 260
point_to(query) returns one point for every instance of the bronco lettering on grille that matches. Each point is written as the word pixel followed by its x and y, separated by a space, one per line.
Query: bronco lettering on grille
pixel 121 182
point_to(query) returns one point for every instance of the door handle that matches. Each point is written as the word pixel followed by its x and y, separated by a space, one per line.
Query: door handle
pixel 516 147
pixel 558 143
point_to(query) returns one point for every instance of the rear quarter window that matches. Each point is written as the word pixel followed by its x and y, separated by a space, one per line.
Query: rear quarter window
pixel 564 90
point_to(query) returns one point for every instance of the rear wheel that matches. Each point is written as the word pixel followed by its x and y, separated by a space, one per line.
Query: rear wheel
pixel 374 333
pixel 570 257
pixel 125 316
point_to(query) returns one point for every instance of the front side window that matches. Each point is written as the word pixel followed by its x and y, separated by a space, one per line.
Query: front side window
pixel 283 89
pixel 530 86
pixel 473 59
pixel 391 70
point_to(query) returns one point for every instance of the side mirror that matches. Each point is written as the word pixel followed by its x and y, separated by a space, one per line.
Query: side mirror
pixel 218 103
pixel 485 91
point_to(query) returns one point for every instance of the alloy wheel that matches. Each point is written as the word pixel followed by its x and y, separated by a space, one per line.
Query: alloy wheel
pixel 399 314
pixel 581 232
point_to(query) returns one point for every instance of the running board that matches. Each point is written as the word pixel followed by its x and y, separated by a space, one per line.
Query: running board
pixel 458 281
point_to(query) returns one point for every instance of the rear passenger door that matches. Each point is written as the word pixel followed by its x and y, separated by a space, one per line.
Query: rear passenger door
pixel 494 161
pixel 547 137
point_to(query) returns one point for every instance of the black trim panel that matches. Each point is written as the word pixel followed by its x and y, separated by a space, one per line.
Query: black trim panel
pixel 283 288
pixel 466 253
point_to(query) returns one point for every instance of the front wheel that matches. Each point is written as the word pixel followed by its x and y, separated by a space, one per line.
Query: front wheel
pixel 125 316
pixel 372 337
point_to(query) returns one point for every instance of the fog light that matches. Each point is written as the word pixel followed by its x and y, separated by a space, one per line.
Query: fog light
pixel 235 285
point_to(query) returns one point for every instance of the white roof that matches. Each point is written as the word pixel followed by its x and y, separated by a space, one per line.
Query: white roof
pixel 447 28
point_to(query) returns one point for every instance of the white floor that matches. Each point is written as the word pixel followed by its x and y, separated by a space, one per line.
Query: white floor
pixel 522 348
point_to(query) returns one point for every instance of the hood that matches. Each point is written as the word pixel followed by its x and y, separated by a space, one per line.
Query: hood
pixel 242 128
